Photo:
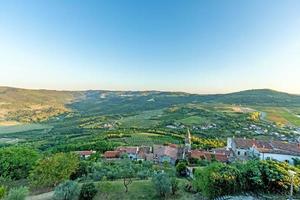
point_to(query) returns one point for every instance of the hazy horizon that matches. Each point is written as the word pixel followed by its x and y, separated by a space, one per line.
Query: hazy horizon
pixel 192 46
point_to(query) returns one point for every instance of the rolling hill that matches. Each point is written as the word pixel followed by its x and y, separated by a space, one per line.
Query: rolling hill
pixel 26 105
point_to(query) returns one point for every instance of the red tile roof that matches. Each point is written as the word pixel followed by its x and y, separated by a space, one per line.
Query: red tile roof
pixel 169 151
pixel 111 154
pixel 276 147
pixel 198 154
pixel 129 150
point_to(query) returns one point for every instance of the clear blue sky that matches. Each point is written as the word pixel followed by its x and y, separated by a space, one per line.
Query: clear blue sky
pixel 193 46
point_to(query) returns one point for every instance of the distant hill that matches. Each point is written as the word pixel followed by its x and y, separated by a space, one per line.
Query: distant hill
pixel 35 105
pixel 259 97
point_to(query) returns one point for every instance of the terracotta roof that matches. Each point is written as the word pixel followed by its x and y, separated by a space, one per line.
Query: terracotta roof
pixel 111 154
pixel 159 150
pixel 129 150
pixel 248 143
pixel 198 154
pixel 276 147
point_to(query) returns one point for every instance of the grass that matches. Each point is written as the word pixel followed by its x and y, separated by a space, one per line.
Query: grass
pixel 139 189
pixel 194 120
pixel 22 128
pixel 281 115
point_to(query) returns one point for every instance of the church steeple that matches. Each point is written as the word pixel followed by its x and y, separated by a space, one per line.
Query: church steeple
pixel 188 140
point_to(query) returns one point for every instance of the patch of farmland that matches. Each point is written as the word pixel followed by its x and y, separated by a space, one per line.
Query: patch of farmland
pixel 22 128
pixel 146 119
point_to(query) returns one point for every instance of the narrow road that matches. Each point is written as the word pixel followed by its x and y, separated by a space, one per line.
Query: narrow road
pixel 44 196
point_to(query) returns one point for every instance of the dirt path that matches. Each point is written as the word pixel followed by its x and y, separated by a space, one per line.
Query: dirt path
pixel 44 196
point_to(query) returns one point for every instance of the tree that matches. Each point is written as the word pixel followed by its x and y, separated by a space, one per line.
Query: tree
pixel 81 171
pixel 19 193
pixel 126 172
pixel 52 170
pixel 2 192
pixel 174 185
pixel 276 177
pixel 68 190
pixel 16 162
pixel 105 188
pixel 217 179
pixel 162 184
pixel 88 191
pixel 181 168
pixel 251 177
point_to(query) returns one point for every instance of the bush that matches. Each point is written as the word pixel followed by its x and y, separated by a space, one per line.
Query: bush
pixel 276 178
pixel 53 170
pixel 88 191
pixel 68 190
pixel 217 179
pixel 16 162
pixel 251 177
pixel 162 184
pixel 143 175
pixel 2 192
pixel 181 169
pixel 19 193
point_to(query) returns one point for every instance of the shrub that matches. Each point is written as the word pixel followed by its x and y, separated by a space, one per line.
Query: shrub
pixel 144 174
pixel 181 168
pixel 19 193
pixel 16 162
pixel 2 192
pixel 174 185
pixel 88 191
pixel 68 190
pixel 251 177
pixel 162 184
pixel 217 179
pixel 276 178
pixel 53 170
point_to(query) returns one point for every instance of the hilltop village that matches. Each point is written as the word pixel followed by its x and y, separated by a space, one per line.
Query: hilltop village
pixel 237 149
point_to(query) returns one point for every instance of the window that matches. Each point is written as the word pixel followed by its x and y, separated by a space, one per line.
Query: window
pixel 239 152
pixel 245 153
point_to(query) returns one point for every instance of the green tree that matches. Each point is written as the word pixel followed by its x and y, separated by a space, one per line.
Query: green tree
pixel 19 193
pixel 162 184
pixel 52 170
pixel 68 190
pixel 2 192
pixel 217 179
pixel 181 168
pixel 251 177
pixel 88 191
pixel 105 188
pixel 174 185
pixel 126 172
pixel 16 162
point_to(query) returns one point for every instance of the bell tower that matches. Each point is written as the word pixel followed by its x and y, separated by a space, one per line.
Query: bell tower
pixel 188 141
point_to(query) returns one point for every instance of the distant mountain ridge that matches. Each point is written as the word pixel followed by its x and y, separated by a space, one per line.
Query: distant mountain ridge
pixel 34 105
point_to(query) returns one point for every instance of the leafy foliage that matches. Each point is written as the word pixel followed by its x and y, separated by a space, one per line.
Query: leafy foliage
pixel 16 162
pixel 52 170
pixel 2 192
pixel 181 168
pixel 162 184
pixel 68 190
pixel 217 179
pixel 88 191
pixel 19 193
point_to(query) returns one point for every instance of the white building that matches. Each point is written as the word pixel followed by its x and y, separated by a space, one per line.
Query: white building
pixel 277 150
